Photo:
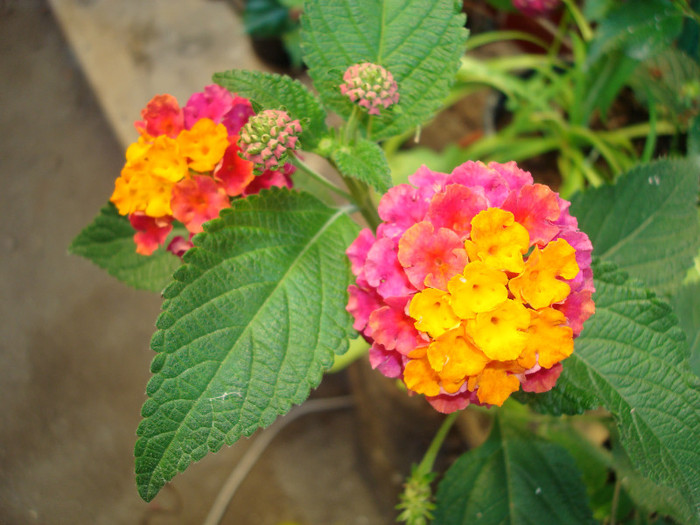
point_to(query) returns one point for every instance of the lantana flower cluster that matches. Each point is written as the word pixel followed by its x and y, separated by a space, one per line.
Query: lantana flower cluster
pixel 186 166
pixel 474 286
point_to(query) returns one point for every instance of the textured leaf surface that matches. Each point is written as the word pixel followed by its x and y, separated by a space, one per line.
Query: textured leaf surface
pixel 632 356
pixel 686 304
pixel 646 494
pixel 647 223
pixel 247 328
pixel 418 41
pixel 109 243
pixel 364 161
pixel 273 91
pixel 513 478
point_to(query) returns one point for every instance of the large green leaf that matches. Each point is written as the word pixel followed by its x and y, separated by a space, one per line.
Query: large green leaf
pixel 273 91
pixel 647 222
pixel 647 495
pixel 686 304
pixel 632 356
pixel 247 328
pixel 640 32
pixel 418 41
pixel 513 478
pixel 109 242
pixel 364 161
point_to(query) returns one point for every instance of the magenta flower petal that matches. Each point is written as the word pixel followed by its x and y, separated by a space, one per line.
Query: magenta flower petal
pixel 150 232
pixel 390 327
pixel 388 363
pixel 455 207
pixel 537 208
pixel 212 103
pixel 357 251
pixel 400 208
pixel 384 272
pixel 483 179
pixel 543 380
pixel 361 303
pixel 431 258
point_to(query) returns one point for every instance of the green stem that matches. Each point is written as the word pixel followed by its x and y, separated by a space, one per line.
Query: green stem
pixel 580 20
pixel 351 125
pixel 650 143
pixel 363 200
pixel 615 501
pixel 318 177
pixel 426 464
pixel 687 10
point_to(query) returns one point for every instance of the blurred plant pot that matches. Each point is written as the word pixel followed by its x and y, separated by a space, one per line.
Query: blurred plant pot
pixel 395 430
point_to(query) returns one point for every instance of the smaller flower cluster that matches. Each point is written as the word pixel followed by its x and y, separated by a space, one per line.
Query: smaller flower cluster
pixel 536 7
pixel 370 86
pixel 475 285
pixel 186 166
pixel 267 139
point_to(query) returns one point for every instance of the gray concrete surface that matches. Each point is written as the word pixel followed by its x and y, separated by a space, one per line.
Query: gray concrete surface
pixel 74 353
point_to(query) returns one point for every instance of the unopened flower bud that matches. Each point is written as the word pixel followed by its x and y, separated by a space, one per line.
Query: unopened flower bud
pixel 370 86
pixel 267 138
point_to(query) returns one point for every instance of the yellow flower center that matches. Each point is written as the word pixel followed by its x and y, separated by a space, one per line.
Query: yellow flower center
pixel 496 318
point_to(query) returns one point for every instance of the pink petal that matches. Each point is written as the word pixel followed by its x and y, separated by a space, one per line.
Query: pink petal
pixel 150 232
pixel 482 179
pixel 543 380
pixel 455 207
pixel 400 208
pixel 537 208
pixel 383 271
pixel 431 258
pixel 361 303
pixel 197 200
pixel 386 361
pixel 390 327
pixel 357 251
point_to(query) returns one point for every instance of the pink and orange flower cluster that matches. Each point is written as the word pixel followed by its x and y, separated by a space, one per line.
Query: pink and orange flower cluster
pixel 474 286
pixel 185 166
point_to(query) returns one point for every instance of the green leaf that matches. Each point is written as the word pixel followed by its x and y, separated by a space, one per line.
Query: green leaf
pixel 686 304
pixel 418 41
pixel 247 328
pixel 364 161
pixel 647 223
pixel 109 243
pixel 646 494
pixel 512 478
pixel 673 79
pixel 266 18
pixel 565 398
pixel 632 356
pixel 641 32
pixel 273 91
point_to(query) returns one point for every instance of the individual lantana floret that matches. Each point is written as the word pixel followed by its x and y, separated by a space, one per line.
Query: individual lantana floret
pixel 536 7
pixel 267 138
pixel 185 166
pixel 371 86
pixel 474 286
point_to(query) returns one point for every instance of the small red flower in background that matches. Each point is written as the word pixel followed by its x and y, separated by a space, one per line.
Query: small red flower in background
pixel 475 285
pixel 536 7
